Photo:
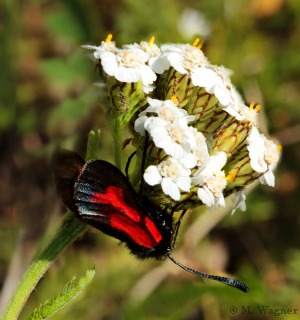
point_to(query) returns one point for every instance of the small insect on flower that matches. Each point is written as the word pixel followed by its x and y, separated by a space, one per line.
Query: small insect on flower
pixel 100 195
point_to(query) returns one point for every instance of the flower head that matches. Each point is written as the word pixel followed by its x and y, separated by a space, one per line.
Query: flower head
pixel 216 81
pixel 212 181
pixel 107 45
pixel 200 150
pixel 271 157
pixel 157 61
pixel 129 65
pixel 169 129
pixel 256 148
pixel 184 58
pixel 172 176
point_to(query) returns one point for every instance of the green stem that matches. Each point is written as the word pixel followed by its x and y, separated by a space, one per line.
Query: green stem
pixel 71 229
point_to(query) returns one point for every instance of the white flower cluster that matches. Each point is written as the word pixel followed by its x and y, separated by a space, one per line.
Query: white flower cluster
pixel 187 149
pixel 189 163
pixel 144 61
pixel 264 155
pixel 133 63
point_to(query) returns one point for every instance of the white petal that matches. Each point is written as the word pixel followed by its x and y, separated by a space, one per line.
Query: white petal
pixel 173 149
pixel 268 178
pixel 128 75
pixel 216 162
pixel 204 77
pixel 233 112
pixel 148 89
pixel 145 55
pixel 154 103
pixel 170 188
pixel 152 176
pixel 169 103
pixel 171 47
pixel 239 201
pixel 176 61
pixel 109 62
pixel 159 64
pixel 155 122
pixel 184 183
pixel 184 172
pixel 97 54
pixel 220 201
pixel 139 125
pixel 206 197
pixel 86 46
pixel 257 161
pixel 189 160
pixel 161 138
pixel 190 137
pixel 223 94
pixel 147 75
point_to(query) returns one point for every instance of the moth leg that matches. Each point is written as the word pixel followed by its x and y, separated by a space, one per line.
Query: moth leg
pixel 177 227
pixel 143 164
pixel 128 164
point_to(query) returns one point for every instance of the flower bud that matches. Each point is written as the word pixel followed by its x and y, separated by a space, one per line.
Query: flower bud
pixel 125 97
pixel 230 137
pixel 173 83
pixel 239 170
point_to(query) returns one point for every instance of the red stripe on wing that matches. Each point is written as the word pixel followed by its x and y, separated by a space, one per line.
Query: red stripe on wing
pixel 134 230
pixel 153 229
pixel 115 197
pixel 144 233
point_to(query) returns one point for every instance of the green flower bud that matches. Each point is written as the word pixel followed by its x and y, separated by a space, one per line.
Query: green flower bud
pixel 239 171
pixel 230 137
pixel 172 83
pixel 125 97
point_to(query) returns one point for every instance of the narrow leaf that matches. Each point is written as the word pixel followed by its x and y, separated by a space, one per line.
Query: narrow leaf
pixel 69 292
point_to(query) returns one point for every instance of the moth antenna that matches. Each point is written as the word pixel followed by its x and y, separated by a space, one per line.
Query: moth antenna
pixel 128 164
pixel 177 227
pixel 230 282
pixel 143 164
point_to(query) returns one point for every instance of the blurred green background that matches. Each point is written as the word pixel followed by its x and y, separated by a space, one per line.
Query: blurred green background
pixel 47 99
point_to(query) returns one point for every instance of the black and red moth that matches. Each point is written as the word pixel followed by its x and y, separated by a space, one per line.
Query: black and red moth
pixel 100 195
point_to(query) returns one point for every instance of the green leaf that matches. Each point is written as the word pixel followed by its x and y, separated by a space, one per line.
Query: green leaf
pixel 69 292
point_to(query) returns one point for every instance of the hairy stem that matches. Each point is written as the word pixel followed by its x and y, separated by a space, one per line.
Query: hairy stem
pixel 71 229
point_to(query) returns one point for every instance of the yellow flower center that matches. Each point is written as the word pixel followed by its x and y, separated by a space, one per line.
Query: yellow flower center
pixel 129 59
pixel 177 134
pixel 168 170
pixel 217 183
pixel 167 114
